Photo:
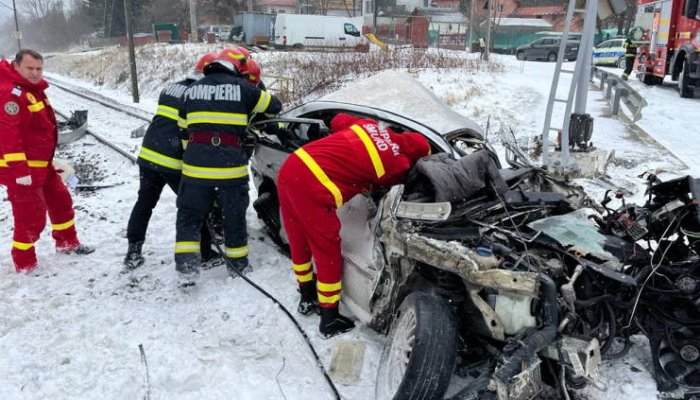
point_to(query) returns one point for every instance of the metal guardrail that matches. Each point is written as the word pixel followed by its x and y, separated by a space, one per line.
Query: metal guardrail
pixel 623 92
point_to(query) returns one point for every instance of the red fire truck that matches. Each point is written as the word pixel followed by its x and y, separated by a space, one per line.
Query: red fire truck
pixel 673 44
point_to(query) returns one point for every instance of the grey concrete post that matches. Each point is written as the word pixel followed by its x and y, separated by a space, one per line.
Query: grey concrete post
pixel 611 83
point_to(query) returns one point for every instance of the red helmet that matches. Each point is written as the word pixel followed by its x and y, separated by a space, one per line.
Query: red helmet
pixel 253 71
pixel 243 51
pixel 231 59
pixel 203 61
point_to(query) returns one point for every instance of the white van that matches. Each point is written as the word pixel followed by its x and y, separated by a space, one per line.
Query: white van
pixel 302 30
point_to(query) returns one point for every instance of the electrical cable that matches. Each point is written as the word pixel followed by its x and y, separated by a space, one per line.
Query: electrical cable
pixel 653 269
pixel 283 308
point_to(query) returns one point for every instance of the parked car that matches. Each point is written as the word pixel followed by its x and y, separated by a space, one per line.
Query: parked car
pixel 547 49
pixel 528 290
pixel 610 52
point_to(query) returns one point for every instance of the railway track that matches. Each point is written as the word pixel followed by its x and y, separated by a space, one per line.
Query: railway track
pixel 109 122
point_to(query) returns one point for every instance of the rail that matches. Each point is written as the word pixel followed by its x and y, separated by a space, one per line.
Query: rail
pixel 623 92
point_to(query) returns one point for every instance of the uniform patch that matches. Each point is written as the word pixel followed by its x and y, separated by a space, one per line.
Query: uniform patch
pixel 16 91
pixel 12 108
pixel 31 98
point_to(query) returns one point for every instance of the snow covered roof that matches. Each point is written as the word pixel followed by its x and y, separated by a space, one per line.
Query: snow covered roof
pixel 452 18
pixel 541 10
pixel 288 3
pixel 530 22
pixel 401 94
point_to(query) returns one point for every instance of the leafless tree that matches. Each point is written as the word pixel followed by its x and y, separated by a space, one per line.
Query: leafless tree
pixel 37 9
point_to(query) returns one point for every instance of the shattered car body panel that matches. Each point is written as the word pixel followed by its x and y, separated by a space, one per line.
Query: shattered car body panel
pixel 527 290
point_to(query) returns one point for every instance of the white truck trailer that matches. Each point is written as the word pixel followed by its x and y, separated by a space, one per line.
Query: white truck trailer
pixel 302 30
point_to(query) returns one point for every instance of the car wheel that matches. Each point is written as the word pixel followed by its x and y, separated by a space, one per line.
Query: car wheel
pixel 551 57
pixel 621 62
pixel 268 210
pixel 521 56
pixel 417 362
pixel 684 86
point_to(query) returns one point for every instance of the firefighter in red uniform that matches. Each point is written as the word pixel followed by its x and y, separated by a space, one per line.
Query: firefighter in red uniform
pixel 320 177
pixel 28 137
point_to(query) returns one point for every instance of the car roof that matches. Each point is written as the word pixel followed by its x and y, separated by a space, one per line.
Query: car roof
pixel 401 94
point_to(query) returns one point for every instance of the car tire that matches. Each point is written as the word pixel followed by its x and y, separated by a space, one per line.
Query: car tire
pixel 521 56
pixel 552 57
pixel 621 62
pixel 418 361
pixel 268 210
pixel 686 90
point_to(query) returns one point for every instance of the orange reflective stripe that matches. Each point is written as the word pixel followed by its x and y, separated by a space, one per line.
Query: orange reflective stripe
pixel 371 150
pixel 320 175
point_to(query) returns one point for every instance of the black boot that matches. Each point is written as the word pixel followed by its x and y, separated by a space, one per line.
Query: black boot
pixel 308 303
pixel 237 266
pixel 332 323
pixel 133 258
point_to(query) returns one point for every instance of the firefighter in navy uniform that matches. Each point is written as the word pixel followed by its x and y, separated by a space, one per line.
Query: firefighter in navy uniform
pixel 160 164
pixel 630 55
pixel 216 110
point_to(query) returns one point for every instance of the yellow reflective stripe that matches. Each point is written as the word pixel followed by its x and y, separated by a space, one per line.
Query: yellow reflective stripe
pixel 221 118
pixel 63 226
pixel 184 145
pixel 186 247
pixel 371 150
pixel 327 287
pixel 328 299
pixel 181 123
pixel 15 157
pixel 167 112
pixel 22 246
pixel 160 159
pixel 236 252
pixel 31 163
pixel 214 173
pixel 302 267
pixel 263 102
pixel 235 56
pixel 320 175
pixel 305 278
pixel 36 107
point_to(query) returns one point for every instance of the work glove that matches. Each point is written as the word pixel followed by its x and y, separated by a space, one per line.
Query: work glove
pixel 24 181
pixel 66 171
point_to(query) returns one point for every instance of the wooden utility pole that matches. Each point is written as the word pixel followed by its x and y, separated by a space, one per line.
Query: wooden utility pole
pixel 487 53
pixel 18 34
pixel 193 22
pixel 132 54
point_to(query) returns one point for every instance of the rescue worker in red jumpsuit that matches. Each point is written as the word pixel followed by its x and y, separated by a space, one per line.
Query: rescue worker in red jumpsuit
pixel 28 138
pixel 320 177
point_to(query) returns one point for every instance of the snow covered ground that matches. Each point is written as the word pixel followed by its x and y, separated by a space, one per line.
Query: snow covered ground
pixel 73 328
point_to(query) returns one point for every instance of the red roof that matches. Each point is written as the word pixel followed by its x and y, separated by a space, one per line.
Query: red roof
pixel 287 3
pixel 534 11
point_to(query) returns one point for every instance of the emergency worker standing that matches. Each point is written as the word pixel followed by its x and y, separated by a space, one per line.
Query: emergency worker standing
pixel 320 177
pixel 28 139
pixel 215 166
pixel 630 55
pixel 160 164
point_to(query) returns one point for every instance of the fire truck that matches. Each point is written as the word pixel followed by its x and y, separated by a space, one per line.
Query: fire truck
pixel 671 45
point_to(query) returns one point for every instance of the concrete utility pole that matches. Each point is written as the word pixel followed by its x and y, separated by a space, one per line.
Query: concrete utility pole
pixel 489 5
pixel 193 22
pixel 132 54
pixel 18 34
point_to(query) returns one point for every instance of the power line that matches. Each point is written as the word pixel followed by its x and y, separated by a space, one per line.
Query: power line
pixel 6 6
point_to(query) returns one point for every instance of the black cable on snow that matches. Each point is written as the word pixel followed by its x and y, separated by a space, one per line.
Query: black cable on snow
pixel 283 308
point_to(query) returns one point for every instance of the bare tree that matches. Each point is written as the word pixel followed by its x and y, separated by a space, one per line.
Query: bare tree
pixel 37 9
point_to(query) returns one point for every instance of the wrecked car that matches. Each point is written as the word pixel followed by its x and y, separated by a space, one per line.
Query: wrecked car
pixel 522 291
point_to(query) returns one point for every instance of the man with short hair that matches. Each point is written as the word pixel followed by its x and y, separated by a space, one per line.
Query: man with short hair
pixel 28 138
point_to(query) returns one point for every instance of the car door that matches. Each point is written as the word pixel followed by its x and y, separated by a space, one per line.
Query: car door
pixel 602 54
pixel 537 49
